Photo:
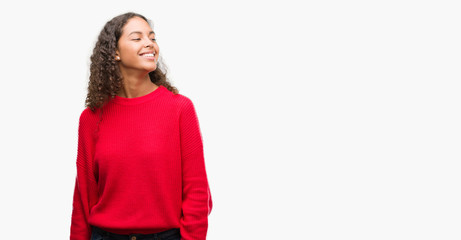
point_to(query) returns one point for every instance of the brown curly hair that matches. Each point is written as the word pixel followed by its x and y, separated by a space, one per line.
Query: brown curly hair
pixel 105 77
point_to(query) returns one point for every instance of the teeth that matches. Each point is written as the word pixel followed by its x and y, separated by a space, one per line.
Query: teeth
pixel 148 55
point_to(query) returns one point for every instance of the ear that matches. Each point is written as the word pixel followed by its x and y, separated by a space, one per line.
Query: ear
pixel 117 55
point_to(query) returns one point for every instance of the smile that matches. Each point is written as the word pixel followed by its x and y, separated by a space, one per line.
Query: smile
pixel 148 55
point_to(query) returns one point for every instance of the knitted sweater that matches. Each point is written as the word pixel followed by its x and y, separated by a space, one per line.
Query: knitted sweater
pixel 141 168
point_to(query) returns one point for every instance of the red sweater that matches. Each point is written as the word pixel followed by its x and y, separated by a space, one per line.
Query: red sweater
pixel 141 168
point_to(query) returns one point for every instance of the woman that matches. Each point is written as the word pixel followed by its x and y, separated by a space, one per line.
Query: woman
pixel 140 162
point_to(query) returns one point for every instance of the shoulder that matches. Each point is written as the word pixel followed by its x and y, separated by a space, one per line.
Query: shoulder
pixel 185 104
pixel 88 120
pixel 88 115
pixel 179 100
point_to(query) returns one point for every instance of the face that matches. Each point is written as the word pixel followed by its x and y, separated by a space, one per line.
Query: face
pixel 137 49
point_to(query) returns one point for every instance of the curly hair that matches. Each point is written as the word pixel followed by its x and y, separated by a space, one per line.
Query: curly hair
pixel 105 77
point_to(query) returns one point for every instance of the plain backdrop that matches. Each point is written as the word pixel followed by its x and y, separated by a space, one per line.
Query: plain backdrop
pixel 320 119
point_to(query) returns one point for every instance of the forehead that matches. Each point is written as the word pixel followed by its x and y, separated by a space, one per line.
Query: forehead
pixel 136 24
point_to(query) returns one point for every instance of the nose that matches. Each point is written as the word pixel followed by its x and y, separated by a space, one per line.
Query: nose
pixel 149 43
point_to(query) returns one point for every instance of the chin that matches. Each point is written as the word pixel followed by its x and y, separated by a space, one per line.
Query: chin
pixel 151 69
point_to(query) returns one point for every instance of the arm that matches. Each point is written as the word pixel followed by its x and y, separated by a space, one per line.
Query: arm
pixel 79 229
pixel 85 191
pixel 197 202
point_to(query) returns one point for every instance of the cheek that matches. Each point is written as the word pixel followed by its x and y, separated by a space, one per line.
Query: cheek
pixel 128 51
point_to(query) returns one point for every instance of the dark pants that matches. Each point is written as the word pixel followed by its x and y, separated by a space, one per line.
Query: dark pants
pixel 99 234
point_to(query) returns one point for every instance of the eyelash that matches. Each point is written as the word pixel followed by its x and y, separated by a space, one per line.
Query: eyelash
pixel 153 39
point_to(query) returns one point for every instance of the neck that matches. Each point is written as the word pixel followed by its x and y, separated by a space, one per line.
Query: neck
pixel 136 85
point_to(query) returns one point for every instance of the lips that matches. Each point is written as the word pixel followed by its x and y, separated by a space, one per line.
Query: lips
pixel 148 56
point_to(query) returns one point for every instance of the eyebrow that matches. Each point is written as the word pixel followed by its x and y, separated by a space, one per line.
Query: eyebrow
pixel 152 32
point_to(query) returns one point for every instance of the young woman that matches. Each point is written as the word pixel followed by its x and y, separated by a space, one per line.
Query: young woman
pixel 140 162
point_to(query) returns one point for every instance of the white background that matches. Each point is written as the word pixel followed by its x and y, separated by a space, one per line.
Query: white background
pixel 320 119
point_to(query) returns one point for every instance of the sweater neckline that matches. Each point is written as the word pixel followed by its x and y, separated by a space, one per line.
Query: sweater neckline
pixel 140 99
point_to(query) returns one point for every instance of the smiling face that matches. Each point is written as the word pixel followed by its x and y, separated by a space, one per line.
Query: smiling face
pixel 137 49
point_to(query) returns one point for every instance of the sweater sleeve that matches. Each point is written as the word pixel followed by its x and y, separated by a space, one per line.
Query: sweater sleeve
pixel 196 200
pixel 85 191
